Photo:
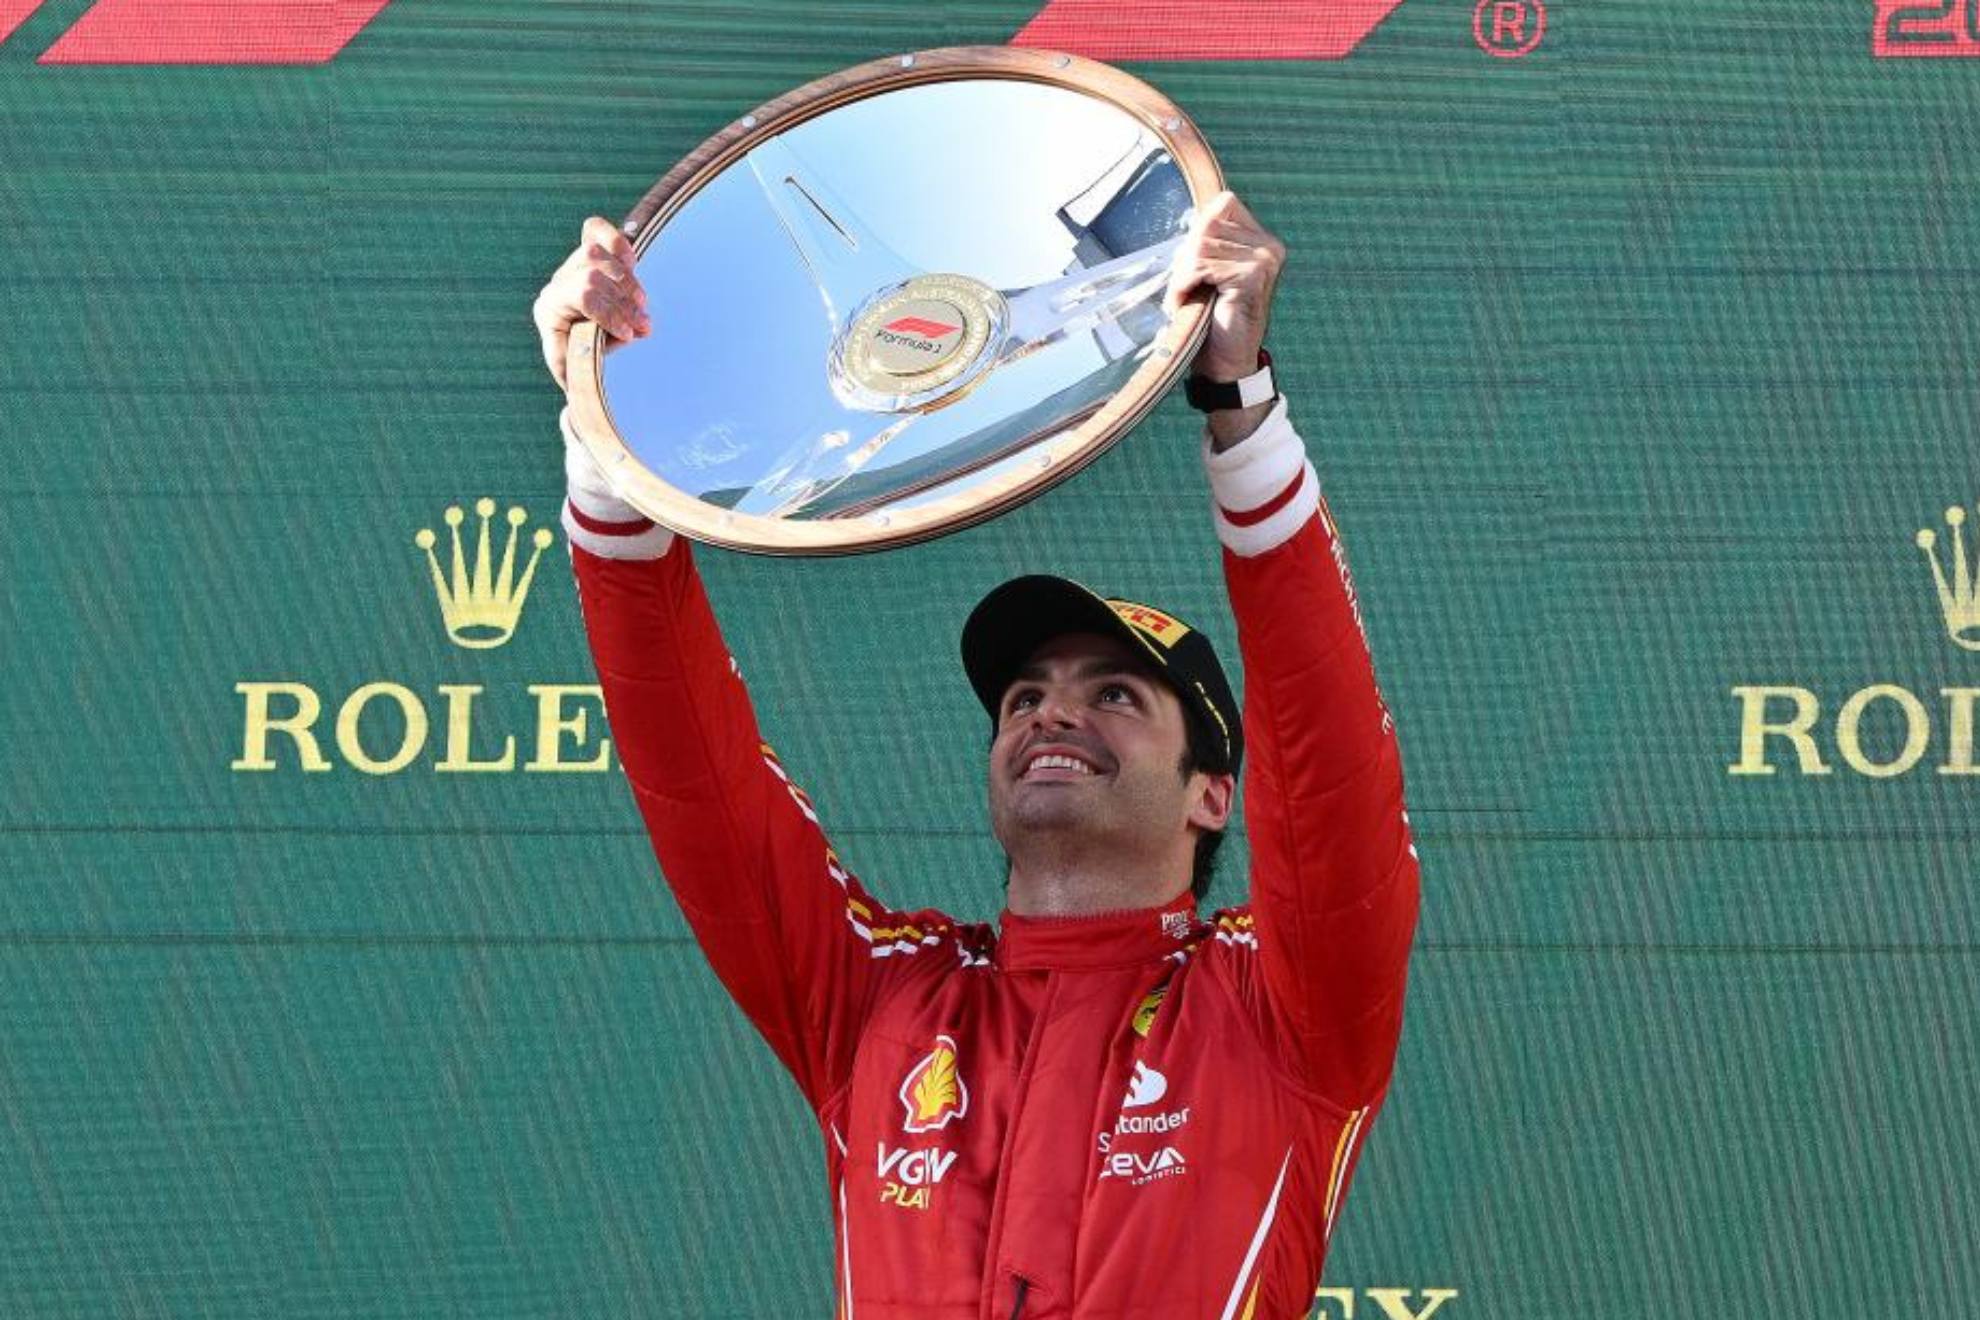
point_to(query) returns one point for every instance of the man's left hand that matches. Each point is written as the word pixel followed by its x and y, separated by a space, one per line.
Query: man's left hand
pixel 1238 260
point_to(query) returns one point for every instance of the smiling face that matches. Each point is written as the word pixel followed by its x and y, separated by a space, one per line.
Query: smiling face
pixel 1091 744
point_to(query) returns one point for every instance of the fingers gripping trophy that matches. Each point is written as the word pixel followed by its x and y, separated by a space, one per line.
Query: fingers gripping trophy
pixel 974 269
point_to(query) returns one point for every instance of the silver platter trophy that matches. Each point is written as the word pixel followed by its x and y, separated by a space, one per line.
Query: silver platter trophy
pixel 898 301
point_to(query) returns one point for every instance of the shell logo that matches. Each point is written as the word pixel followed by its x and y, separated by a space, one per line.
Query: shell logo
pixel 933 1092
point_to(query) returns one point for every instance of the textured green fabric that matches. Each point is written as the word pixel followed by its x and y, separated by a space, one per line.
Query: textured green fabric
pixel 1631 368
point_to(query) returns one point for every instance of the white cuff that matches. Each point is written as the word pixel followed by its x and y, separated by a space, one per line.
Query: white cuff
pixel 1263 488
pixel 649 541
pixel 595 518
pixel 586 485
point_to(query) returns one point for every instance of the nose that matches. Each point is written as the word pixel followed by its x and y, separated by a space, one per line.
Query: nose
pixel 1057 711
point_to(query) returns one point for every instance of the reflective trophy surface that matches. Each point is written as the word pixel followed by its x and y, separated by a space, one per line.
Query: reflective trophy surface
pixel 898 301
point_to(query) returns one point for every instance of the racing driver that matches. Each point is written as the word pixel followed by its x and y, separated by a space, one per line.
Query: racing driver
pixel 1106 1105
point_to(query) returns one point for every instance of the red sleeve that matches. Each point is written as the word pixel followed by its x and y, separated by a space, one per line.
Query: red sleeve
pixel 1334 872
pixel 792 935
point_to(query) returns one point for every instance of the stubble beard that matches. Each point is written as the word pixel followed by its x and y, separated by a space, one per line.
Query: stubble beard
pixel 1025 815
pixel 1073 818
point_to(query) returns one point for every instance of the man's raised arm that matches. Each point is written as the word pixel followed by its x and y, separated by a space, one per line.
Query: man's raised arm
pixel 792 935
pixel 1334 887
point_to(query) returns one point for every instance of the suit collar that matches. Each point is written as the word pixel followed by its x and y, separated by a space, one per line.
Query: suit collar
pixel 1098 939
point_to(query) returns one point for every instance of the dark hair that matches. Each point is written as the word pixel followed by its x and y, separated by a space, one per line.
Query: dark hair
pixel 1202 750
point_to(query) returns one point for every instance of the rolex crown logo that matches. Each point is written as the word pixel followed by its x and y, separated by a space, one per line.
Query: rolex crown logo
pixel 481 603
pixel 1959 597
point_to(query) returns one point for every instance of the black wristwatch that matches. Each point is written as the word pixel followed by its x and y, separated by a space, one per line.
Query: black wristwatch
pixel 1207 395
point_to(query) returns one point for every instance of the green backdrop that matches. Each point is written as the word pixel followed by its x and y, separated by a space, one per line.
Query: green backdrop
pixel 1631 367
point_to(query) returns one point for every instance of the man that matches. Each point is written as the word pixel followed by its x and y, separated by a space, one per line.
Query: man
pixel 1108 1106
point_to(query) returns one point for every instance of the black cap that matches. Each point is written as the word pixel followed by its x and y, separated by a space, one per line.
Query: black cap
pixel 1023 614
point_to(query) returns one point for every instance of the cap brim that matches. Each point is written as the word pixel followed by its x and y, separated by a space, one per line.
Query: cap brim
pixel 1023 614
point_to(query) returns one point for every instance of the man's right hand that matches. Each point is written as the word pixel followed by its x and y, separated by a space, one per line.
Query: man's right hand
pixel 595 283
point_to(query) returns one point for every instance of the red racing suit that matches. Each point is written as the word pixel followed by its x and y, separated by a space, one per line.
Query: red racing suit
pixel 1142 1114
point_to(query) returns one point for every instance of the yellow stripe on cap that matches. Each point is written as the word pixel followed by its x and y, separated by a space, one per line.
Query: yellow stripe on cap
pixel 1165 629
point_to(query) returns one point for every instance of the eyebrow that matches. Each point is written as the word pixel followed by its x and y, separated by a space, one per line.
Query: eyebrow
pixel 1098 667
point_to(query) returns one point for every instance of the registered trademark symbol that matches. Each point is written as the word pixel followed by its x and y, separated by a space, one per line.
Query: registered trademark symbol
pixel 1508 28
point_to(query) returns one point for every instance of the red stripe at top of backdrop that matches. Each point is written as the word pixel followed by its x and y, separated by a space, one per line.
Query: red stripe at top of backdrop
pixel 212 31
pixel 1207 30
pixel 13 13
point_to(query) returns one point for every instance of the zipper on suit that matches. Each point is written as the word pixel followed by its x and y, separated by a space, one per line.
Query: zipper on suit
pixel 999 1201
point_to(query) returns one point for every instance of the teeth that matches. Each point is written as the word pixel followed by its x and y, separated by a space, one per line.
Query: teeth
pixel 1056 762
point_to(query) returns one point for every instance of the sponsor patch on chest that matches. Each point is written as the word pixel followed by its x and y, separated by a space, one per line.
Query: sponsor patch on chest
pixel 1139 1116
pixel 908 1176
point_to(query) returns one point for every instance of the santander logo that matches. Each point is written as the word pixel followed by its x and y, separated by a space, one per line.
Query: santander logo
pixel 1145 1087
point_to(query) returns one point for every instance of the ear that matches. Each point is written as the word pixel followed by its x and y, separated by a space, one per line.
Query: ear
pixel 1212 808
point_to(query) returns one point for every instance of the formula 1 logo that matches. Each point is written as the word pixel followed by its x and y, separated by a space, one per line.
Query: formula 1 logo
pixel 1907 28
pixel 212 32
pixel 920 325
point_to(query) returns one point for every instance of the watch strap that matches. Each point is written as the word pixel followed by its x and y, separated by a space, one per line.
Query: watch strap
pixel 1206 395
